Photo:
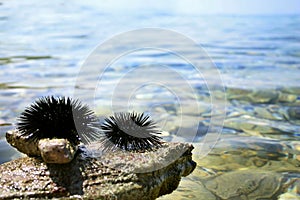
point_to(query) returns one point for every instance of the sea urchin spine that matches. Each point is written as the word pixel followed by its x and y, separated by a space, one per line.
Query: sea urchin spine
pixel 58 117
pixel 130 131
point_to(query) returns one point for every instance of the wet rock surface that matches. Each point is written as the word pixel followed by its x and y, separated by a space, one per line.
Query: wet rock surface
pixel 111 176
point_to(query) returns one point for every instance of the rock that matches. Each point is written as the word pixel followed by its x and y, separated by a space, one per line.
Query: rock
pixel 254 96
pixel 263 96
pixel 252 126
pixel 289 196
pixel 294 112
pixel 293 192
pixel 247 168
pixel 287 98
pixel 190 189
pixel 113 175
pixel 235 153
pixel 291 90
pixel 246 184
pixel 58 151
pixel 29 147
pixel 51 150
pixel 264 113
pixel 238 94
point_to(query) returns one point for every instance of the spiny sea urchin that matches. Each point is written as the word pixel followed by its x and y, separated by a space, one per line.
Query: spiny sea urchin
pixel 130 131
pixel 58 117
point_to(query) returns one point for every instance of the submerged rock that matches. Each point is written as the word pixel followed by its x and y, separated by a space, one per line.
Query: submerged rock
pixel 253 96
pixel 287 98
pixel 294 112
pixel 263 96
pixel 253 126
pixel 246 185
pixel 113 175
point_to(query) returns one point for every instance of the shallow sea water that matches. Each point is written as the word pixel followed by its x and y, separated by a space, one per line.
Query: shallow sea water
pixel 44 45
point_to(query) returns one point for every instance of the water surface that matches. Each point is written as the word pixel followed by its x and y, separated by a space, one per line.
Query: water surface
pixel 43 46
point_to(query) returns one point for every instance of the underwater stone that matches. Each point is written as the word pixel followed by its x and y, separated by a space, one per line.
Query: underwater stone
pixel 263 96
pixel 253 96
pixel 286 98
pixel 238 94
pixel 264 113
pixel 291 90
pixel 246 184
pixel 251 126
pixel 294 112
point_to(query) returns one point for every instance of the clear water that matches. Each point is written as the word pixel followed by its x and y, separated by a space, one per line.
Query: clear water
pixel 44 44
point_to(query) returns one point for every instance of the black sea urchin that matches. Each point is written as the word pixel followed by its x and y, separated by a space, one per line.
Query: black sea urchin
pixel 60 117
pixel 130 131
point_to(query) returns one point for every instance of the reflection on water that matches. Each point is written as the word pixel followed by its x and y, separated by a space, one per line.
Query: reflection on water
pixel 258 57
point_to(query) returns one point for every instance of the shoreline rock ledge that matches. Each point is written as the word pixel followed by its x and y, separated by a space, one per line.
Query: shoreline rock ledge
pixel 114 175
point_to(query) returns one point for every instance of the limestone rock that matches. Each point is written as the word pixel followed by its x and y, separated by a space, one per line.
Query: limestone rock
pixel 51 150
pixel 58 151
pixel 29 147
pixel 113 175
